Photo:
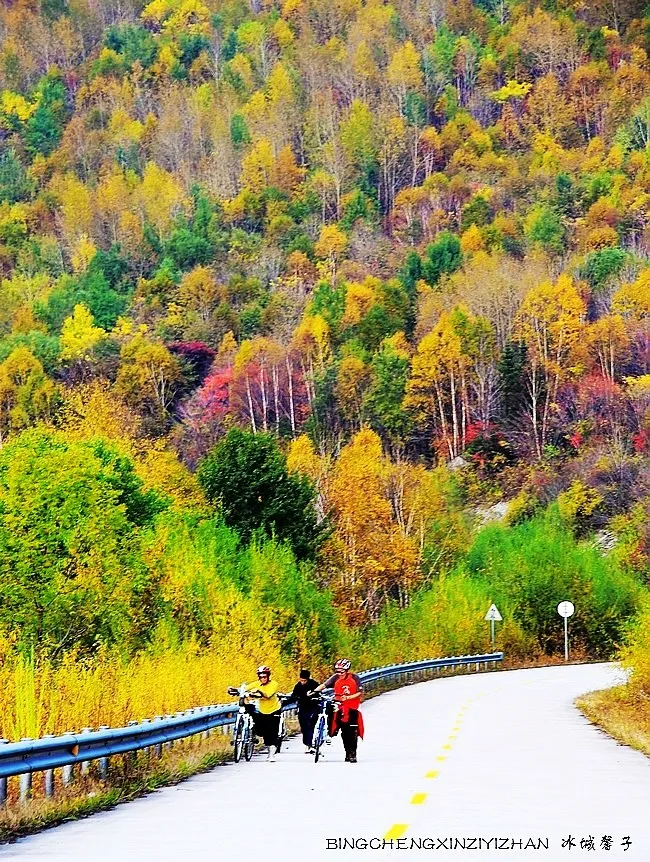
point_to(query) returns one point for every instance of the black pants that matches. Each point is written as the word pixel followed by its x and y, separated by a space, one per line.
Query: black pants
pixel 350 732
pixel 307 722
pixel 267 726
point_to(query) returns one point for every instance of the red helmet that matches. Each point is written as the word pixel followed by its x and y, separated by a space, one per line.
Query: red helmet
pixel 264 669
pixel 343 664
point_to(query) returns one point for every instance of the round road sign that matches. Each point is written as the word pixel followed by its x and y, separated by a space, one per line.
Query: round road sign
pixel 566 609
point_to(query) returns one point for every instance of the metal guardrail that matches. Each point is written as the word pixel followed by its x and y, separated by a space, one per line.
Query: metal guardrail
pixel 404 672
pixel 49 753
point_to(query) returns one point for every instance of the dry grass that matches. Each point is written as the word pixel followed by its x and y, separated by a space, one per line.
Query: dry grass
pixel 41 697
pixel 622 713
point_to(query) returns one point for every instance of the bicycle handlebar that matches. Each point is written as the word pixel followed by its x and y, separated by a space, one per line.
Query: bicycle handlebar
pixel 320 695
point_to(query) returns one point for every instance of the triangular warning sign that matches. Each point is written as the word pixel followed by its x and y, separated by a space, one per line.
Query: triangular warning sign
pixel 493 614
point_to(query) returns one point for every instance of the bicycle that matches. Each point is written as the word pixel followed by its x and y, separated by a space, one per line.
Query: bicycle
pixel 320 729
pixel 243 735
pixel 282 727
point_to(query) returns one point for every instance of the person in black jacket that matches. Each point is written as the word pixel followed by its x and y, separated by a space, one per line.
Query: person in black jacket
pixel 307 707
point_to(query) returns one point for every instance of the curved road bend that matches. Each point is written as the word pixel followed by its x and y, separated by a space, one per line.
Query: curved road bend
pixel 492 756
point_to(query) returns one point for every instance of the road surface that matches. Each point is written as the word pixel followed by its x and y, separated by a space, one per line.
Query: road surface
pixel 459 768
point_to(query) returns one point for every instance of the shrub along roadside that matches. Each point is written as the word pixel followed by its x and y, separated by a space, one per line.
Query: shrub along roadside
pixel 624 711
pixel 526 570
pixel 620 715
pixel 531 567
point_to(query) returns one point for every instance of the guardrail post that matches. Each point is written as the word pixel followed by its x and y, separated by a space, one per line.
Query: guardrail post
pixel 103 761
pixel 131 755
pixel 157 749
pixel 179 715
pixel 170 743
pixel 48 775
pixel 147 748
pixel 85 763
pixel 25 786
pixel 3 781
pixel 25 779
pixel 66 771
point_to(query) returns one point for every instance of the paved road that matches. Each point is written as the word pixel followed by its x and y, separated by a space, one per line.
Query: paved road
pixel 494 756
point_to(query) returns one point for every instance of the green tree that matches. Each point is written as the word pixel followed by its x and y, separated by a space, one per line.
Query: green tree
pixel 603 265
pixel 247 475
pixel 91 289
pixel 390 371
pixel 134 43
pixel 44 128
pixel 443 256
pixel 70 569
pixel 13 184
pixel 544 227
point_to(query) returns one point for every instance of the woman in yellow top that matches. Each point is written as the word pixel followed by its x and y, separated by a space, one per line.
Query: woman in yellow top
pixel 267 717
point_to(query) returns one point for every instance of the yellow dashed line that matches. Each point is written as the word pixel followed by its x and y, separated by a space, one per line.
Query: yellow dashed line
pixel 396 831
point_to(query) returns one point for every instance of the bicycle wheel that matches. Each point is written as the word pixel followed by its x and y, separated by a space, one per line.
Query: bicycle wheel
pixel 319 736
pixel 249 745
pixel 238 739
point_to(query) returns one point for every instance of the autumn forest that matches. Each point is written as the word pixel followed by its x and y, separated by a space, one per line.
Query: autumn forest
pixel 323 325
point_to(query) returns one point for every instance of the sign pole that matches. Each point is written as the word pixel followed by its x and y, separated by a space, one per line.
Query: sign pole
pixel 493 616
pixel 566 610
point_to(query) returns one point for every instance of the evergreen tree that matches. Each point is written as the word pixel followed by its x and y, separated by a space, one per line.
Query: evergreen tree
pixel 246 474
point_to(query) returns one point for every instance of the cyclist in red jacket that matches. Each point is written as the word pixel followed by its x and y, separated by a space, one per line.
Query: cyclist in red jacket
pixel 347 691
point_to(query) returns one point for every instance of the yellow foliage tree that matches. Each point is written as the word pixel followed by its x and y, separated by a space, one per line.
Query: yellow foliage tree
pixel 257 166
pixel 94 410
pixel 112 198
pixel 199 292
pixel 472 240
pixel 352 381
pixel 161 196
pixel 79 335
pixel 632 302
pixel 26 393
pixel 420 502
pixel 404 72
pixel 84 251
pixel 369 557
pixel 149 375
pixel 608 339
pixel 550 323
pixel 438 383
pixel 359 299
pixel 303 458
pixel 331 246
pixel 257 364
pixel 75 205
